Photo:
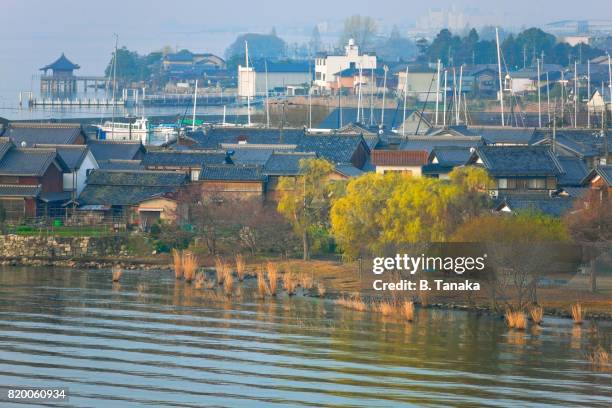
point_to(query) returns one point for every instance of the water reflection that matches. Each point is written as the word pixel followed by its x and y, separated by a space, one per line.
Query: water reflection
pixel 152 340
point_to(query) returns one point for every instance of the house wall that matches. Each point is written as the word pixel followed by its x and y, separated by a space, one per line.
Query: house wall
pixel 359 157
pixel 326 67
pixel 279 80
pixel 414 171
pixel 68 179
pixel 165 206
pixel 52 180
pixel 234 189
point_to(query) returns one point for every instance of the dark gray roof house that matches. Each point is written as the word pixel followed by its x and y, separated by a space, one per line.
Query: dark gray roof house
pixel 73 155
pixel 443 159
pixel 337 148
pixel 184 158
pixel 126 188
pixel 553 206
pixel 574 171
pixel 25 162
pixel 605 172
pixel 285 163
pixel 340 117
pixel 230 172
pixel 117 164
pixel 25 134
pixel 517 161
pixel 429 143
pixel 215 137
pixel 116 150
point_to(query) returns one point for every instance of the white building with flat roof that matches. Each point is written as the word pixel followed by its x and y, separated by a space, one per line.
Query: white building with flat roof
pixel 326 67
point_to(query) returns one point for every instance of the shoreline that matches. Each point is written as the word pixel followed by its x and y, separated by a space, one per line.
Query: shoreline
pixel 159 263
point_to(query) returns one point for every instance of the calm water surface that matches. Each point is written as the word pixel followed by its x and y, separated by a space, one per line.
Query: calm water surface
pixel 153 342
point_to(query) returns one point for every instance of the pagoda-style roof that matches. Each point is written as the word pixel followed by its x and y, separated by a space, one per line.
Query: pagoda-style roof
pixel 61 64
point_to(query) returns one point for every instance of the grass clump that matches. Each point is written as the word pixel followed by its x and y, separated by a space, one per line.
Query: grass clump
pixel 516 320
pixel 190 266
pixel 353 303
pixel 177 263
pixel 385 307
pixel 240 267
pixel 600 358
pixel 290 283
pixel 537 314
pixel 117 271
pixel 408 310
pixel 272 270
pixel 262 285
pixel 577 313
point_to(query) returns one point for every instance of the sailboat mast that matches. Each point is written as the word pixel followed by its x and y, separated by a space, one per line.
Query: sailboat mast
pixel 114 83
pixel 444 99
pixel 588 93
pixel 359 118
pixel 576 93
pixel 547 96
pixel 195 102
pixel 499 74
pixel 405 96
pixel 246 57
pixel 382 111
pixel 460 90
pixel 437 91
pixel 372 97
pixel 309 95
pixel 267 92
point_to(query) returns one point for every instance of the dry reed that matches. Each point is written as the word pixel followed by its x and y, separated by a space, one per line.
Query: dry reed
pixel 190 266
pixel 117 272
pixel 228 283
pixel 320 289
pixel 177 263
pixel 537 314
pixel 200 279
pixel 272 270
pixel 385 307
pixel 600 357
pixel 353 303
pixel 306 281
pixel 516 320
pixel 577 313
pixel 240 267
pixel 262 286
pixel 408 310
pixel 290 283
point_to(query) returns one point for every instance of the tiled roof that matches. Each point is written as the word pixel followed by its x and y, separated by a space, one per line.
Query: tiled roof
pixel 184 158
pixel 504 135
pixel 43 133
pixel 348 170
pixel 429 143
pixel 61 64
pixel 136 178
pixel 519 160
pixel 335 148
pixel 120 165
pixel 555 206
pixel 251 156
pixel 451 155
pixel 399 157
pixel 574 171
pixel 10 190
pixel 107 187
pixel 29 162
pixel 73 155
pixel 231 172
pixel 605 172
pixel 286 163
pixel 107 150
pixel 5 146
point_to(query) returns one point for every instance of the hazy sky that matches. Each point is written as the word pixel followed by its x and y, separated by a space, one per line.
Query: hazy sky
pixel 35 32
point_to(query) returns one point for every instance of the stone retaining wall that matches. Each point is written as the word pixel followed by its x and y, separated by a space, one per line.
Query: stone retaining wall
pixel 38 247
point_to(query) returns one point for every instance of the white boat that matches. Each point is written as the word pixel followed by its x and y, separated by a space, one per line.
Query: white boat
pixel 140 130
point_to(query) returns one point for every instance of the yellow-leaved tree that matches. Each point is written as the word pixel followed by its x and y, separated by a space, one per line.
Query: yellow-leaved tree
pixel 305 200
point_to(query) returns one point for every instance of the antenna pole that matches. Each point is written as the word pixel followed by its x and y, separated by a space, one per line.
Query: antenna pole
pixel 499 74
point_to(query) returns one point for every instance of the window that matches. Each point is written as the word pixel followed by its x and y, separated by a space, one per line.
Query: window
pixel 502 183
pixel 536 184
pixel 195 175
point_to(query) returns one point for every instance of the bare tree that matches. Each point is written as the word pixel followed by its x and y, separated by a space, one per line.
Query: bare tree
pixel 360 28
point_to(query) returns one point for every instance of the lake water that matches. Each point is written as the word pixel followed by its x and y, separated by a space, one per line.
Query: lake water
pixel 151 341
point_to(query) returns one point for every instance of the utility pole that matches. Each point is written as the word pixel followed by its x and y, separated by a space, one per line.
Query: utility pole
pixel 539 100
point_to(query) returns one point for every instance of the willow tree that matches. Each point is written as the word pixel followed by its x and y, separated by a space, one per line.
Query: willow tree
pixel 305 200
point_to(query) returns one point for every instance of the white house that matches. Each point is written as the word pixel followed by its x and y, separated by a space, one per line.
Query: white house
pixel 326 67
pixel 272 76
pixel 80 161
pixel 598 100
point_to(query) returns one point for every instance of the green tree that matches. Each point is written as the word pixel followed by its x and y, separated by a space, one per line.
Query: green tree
pixel 130 66
pixel 305 200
